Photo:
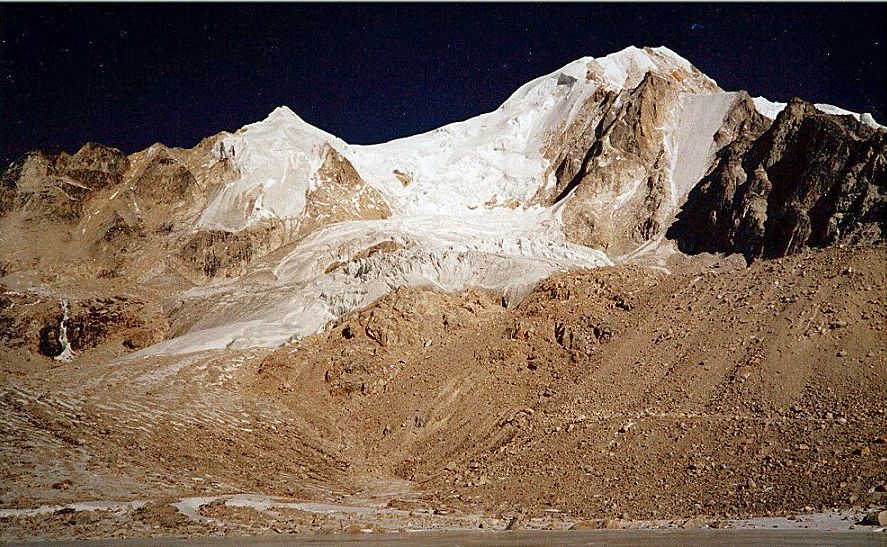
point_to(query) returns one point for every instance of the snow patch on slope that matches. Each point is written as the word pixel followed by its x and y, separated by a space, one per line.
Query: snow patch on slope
pixel 692 145
pixel 462 166
pixel 768 108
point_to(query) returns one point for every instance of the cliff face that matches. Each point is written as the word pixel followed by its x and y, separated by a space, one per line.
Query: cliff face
pixel 809 180
pixel 620 184
pixel 614 166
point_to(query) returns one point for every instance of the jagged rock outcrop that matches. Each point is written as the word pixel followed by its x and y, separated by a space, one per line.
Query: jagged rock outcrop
pixel 809 180
pixel 55 187
pixel 340 194
pixel 97 166
pixel 164 180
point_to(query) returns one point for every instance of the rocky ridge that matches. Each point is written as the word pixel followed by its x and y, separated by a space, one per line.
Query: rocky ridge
pixel 809 180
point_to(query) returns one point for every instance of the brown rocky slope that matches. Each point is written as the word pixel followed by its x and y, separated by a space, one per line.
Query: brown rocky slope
pixel 621 392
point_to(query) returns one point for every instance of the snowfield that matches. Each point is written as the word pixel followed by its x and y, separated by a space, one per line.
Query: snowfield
pixel 455 169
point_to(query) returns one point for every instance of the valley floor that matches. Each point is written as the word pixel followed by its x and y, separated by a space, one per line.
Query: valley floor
pixel 613 397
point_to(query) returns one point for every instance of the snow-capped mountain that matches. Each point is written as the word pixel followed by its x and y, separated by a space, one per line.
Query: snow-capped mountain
pixel 496 159
pixel 269 233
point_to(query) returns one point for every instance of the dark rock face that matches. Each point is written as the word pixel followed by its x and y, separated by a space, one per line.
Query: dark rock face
pixel 131 321
pixel 8 181
pixel 218 253
pixel 213 252
pixel 97 166
pixel 164 181
pixel 119 228
pixel 810 180
pixel 95 321
pixel 49 344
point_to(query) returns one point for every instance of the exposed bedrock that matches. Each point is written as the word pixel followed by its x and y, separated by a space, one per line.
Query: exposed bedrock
pixel 340 194
pixel 55 186
pixel 219 253
pixel 164 180
pixel 617 168
pixel 33 323
pixel 810 180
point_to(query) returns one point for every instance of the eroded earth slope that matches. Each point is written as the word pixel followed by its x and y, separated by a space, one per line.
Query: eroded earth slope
pixel 619 392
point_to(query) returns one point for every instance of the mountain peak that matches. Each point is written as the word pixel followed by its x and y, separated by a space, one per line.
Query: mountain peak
pixel 282 112
pixel 285 115
pixel 626 68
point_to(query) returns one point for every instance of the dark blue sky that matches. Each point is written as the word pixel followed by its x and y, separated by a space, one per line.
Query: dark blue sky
pixel 128 76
